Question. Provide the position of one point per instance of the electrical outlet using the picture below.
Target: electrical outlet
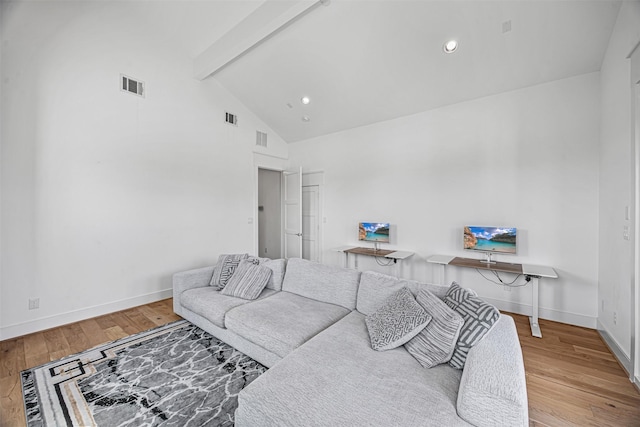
(506, 288)
(34, 303)
(615, 318)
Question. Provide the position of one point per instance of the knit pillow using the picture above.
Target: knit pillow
(399, 319)
(248, 281)
(224, 269)
(436, 342)
(479, 317)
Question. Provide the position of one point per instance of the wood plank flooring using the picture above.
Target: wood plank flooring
(572, 377)
(32, 350)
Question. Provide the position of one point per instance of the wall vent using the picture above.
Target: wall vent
(127, 84)
(261, 138)
(232, 119)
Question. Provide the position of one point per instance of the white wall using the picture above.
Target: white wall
(527, 158)
(615, 278)
(105, 195)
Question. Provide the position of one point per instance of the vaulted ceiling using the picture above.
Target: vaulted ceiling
(365, 61)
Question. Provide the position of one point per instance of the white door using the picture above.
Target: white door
(292, 214)
(310, 222)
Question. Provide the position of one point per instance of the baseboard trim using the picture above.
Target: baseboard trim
(545, 313)
(617, 351)
(54, 321)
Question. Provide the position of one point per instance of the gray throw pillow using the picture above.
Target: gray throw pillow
(435, 343)
(479, 317)
(248, 281)
(277, 267)
(399, 319)
(224, 269)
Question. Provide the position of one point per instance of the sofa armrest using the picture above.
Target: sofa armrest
(188, 280)
(493, 388)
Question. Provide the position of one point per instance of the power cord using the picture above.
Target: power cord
(501, 282)
(384, 264)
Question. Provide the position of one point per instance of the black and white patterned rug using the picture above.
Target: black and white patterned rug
(173, 375)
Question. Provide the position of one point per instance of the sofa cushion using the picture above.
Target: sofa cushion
(209, 303)
(399, 319)
(337, 379)
(435, 343)
(283, 321)
(248, 281)
(375, 288)
(326, 283)
(479, 317)
(224, 269)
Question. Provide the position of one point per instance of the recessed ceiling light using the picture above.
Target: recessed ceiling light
(306, 119)
(450, 46)
(305, 100)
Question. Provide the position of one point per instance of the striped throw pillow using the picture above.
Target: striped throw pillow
(224, 269)
(479, 317)
(436, 342)
(248, 281)
(399, 319)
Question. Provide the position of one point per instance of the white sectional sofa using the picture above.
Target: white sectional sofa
(308, 327)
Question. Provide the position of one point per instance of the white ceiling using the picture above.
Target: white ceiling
(363, 62)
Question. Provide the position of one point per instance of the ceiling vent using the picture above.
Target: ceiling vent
(232, 119)
(130, 85)
(261, 138)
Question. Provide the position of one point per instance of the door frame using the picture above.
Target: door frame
(634, 56)
(267, 162)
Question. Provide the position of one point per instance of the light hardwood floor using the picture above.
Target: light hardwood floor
(572, 377)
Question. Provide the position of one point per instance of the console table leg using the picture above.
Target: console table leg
(533, 320)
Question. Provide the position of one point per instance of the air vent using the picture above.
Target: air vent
(127, 84)
(261, 138)
(232, 119)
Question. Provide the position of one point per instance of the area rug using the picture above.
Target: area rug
(174, 375)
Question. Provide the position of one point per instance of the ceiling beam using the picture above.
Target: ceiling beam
(262, 23)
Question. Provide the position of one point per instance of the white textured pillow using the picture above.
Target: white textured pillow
(248, 281)
(398, 320)
(437, 341)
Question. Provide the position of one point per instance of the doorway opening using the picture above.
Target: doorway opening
(269, 214)
(276, 206)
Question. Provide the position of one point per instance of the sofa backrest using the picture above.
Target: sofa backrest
(375, 288)
(326, 283)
